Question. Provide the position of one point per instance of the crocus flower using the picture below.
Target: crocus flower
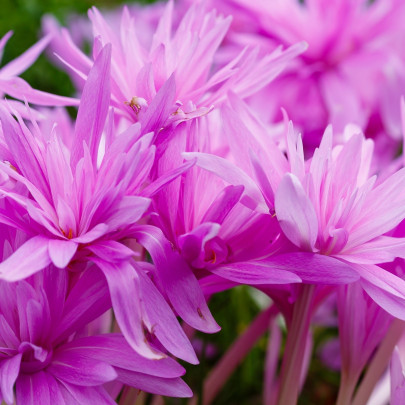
(47, 359)
(328, 83)
(139, 72)
(77, 210)
(327, 207)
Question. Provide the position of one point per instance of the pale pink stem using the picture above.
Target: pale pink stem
(235, 354)
(379, 362)
(347, 386)
(293, 359)
(270, 371)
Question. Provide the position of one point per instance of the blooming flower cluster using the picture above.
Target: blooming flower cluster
(215, 144)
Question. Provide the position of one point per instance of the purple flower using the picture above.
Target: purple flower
(44, 356)
(80, 204)
(328, 83)
(185, 54)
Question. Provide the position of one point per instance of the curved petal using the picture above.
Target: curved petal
(296, 213)
(385, 288)
(61, 251)
(126, 304)
(315, 268)
(9, 370)
(255, 272)
(29, 258)
(180, 284)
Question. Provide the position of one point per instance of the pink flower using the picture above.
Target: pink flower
(45, 358)
(328, 83)
(80, 205)
(185, 55)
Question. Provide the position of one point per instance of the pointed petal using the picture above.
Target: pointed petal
(31, 387)
(61, 252)
(223, 204)
(79, 395)
(25, 60)
(29, 258)
(79, 370)
(296, 213)
(165, 325)
(379, 250)
(314, 268)
(93, 108)
(160, 107)
(385, 288)
(94, 233)
(130, 210)
(111, 251)
(255, 272)
(125, 300)
(172, 387)
(181, 285)
(9, 370)
(113, 349)
(252, 196)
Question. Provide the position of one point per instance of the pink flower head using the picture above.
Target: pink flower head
(331, 206)
(329, 83)
(186, 55)
(82, 204)
(49, 361)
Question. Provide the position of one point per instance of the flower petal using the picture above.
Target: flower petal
(29, 258)
(296, 213)
(61, 251)
(181, 285)
(315, 268)
(255, 272)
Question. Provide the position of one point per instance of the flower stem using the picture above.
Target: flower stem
(347, 386)
(291, 367)
(379, 362)
(236, 353)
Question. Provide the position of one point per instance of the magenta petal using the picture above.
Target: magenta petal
(29, 258)
(255, 272)
(160, 108)
(74, 368)
(296, 213)
(110, 250)
(86, 301)
(166, 178)
(74, 395)
(165, 325)
(25, 60)
(172, 387)
(9, 370)
(61, 251)
(252, 196)
(180, 283)
(130, 210)
(54, 391)
(93, 108)
(126, 304)
(223, 204)
(385, 288)
(314, 268)
(33, 388)
(94, 233)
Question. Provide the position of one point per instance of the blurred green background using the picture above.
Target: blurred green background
(233, 310)
(23, 17)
